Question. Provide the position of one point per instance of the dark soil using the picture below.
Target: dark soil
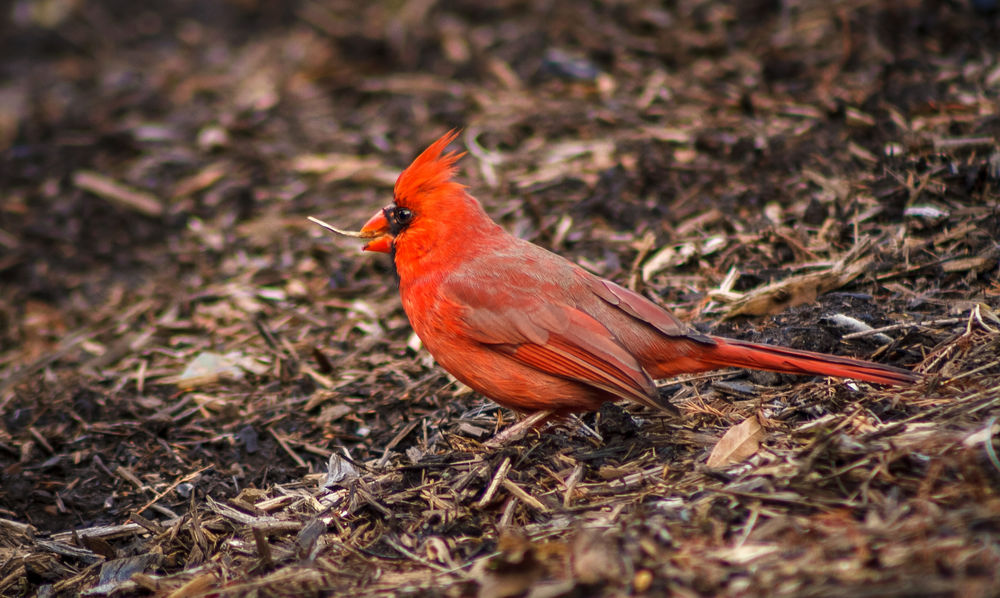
(156, 170)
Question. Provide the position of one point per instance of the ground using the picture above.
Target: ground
(203, 393)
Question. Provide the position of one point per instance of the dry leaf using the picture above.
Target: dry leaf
(777, 297)
(738, 443)
(209, 367)
(339, 472)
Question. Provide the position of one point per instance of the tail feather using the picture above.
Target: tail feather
(732, 352)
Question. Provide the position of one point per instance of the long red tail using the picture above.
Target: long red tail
(732, 352)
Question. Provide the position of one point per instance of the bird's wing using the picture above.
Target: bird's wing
(551, 337)
(641, 308)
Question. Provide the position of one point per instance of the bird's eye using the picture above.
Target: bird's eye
(398, 218)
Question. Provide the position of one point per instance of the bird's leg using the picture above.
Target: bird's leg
(519, 430)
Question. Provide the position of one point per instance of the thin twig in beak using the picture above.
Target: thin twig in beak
(346, 233)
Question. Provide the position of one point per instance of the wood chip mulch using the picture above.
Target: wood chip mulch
(203, 394)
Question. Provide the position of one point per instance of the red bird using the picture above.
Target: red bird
(532, 330)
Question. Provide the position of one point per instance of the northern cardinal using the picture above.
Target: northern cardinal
(532, 330)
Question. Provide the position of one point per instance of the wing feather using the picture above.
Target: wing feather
(554, 338)
(641, 308)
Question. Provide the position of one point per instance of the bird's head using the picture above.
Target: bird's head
(425, 200)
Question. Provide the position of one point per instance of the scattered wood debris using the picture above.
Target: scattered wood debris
(204, 394)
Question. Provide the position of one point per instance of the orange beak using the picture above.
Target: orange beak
(377, 229)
